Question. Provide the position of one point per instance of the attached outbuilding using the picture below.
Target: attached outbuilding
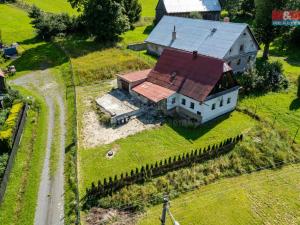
(208, 9)
(193, 86)
(231, 42)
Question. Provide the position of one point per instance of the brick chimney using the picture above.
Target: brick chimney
(195, 54)
(226, 19)
(174, 34)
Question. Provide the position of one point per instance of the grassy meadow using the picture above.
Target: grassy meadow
(54, 6)
(14, 24)
(267, 197)
(154, 145)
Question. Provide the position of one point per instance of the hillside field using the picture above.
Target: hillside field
(267, 197)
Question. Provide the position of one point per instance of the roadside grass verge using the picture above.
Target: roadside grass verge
(154, 145)
(20, 198)
(55, 146)
(241, 200)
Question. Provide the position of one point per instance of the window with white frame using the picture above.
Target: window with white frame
(228, 100)
(213, 107)
(173, 100)
(192, 105)
(183, 101)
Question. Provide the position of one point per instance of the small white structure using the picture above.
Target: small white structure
(197, 87)
(232, 42)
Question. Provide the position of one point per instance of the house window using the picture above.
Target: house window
(249, 59)
(221, 103)
(183, 101)
(228, 100)
(192, 106)
(198, 113)
(213, 107)
(241, 48)
(239, 62)
(173, 100)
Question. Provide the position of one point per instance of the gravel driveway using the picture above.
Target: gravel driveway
(50, 205)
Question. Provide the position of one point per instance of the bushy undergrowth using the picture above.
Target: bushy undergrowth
(3, 163)
(266, 76)
(263, 147)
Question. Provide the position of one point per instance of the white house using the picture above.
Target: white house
(232, 42)
(208, 9)
(194, 86)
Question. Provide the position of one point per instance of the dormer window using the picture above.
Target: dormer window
(241, 48)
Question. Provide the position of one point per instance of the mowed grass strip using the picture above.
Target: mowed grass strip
(14, 24)
(54, 6)
(153, 145)
(267, 197)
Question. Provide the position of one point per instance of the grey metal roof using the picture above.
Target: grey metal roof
(212, 38)
(178, 6)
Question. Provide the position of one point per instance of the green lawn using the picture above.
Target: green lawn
(14, 24)
(282, 108)
(153, 145)
(267, 197)
(148, 7)
(54, 6)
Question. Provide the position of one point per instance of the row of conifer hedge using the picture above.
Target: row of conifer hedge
(148, 172)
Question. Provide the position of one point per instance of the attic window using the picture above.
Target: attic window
(245, 34)
(241, 48)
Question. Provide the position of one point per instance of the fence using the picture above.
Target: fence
(16, 141)
(147, 172)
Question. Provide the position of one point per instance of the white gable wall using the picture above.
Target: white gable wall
(249, 52)
(205, 109)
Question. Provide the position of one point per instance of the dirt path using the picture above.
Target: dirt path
(50, 205)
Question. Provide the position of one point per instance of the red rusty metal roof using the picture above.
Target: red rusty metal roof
(153, 92)
(135, 76)
(186, 74)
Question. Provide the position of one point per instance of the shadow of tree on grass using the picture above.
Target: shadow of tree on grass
(295, 105)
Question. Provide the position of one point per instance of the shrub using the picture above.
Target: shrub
(266, 76)
(49, 25)
(10, 126)
(224, 13)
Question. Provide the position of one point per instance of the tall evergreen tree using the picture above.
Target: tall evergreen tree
(264, 30)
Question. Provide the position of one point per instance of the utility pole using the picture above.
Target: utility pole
(164, 211)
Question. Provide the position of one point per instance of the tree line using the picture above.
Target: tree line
(147, 172)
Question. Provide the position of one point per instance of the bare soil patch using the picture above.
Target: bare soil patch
(91, 132)
(99, 216)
